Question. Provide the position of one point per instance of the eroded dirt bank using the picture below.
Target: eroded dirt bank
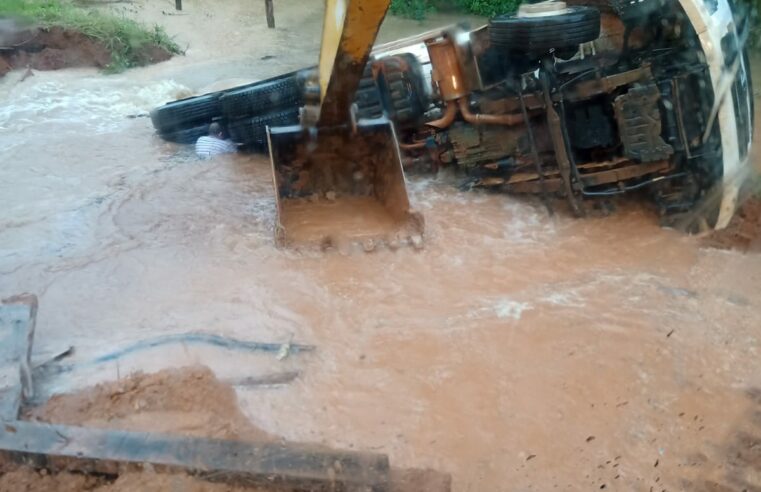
(187, 401)
(55, 48)
(515, 348)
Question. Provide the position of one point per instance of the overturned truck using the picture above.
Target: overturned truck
(572, 100)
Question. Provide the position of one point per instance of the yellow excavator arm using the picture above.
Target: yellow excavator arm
(348, 34)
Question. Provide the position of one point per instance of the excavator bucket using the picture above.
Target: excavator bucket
(340, 182)
(341, 187)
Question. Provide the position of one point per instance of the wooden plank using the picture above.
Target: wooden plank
(88, 450)
(18, 316)
(270, 9)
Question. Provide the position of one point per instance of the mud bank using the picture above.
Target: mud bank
(55, 48)
(744, 231)
(186, 401)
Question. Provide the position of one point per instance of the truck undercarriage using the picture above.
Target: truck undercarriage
(631, 109)
(574, 101)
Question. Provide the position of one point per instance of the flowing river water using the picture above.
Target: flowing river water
(516, 351)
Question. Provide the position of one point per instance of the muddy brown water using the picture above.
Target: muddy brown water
(516, 351)
(344, 218)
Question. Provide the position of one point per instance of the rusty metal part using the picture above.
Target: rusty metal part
(445, 68)
(555, 125)
(447, 118)
(619, 174)
(538, 164)
(473, 147)
(412, 146)
(487, 119)
(589, 88)
(463, 48)
(529, 182)
(639, 124)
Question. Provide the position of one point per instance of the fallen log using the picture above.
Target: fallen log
(110, 452)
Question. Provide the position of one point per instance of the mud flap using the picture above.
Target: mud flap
(341, 186)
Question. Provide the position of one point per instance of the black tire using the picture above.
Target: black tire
(280, 93)
(252, 132)
(186, 135)
(540, 34)
(368, 98)
(186, 113)
(403, 93)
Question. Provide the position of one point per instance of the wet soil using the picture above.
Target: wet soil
(56, 48)
(185, 401)
(188, 401)
(515, 348)
(744, 230)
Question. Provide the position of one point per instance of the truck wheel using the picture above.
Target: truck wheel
(186, 135)
(367, 98)
(262, 97)
(252, 132)
(536, 34)
(403, 89)
(186, 113)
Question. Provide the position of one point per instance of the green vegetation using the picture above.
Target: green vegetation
(417, 9)
(489, 8)
(414, 9)
(753, 9)
(121, 36)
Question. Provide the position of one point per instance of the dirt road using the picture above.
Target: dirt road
(516, 351)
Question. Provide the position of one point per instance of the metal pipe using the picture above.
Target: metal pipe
(447, 118)
(412, 146)
(446, 70)
(487, 119)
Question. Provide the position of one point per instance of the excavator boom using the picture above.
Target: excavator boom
(339, 181)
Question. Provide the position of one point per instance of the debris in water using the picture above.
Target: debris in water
(284, 351)
(511, 309)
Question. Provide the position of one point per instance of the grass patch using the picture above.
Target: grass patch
(412, 9)
(417, 9)
(121, 36)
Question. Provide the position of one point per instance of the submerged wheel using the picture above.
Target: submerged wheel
(186, 113)
(542, 32)
(187, 135)
(280, 93)
(368, 98)
(252, 132)
(403, 89)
